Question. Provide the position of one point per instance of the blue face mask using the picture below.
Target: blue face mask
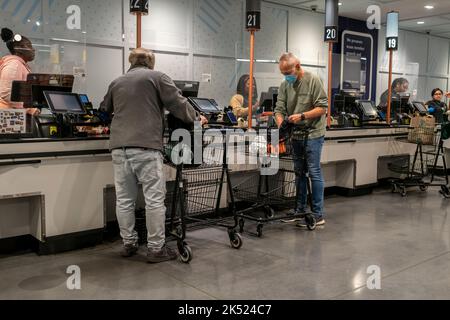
(291, 79)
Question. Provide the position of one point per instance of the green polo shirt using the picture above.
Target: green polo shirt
(303, 96)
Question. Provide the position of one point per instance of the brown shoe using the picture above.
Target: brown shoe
(129, 250)
(165, 254)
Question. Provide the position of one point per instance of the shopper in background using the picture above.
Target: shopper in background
(239, 102)
(436, 107)
(138, 100)
(302, 99)
(15, 67)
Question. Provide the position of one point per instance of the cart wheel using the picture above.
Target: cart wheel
(269, 212)
(423, 188)
(445, 192)
(310, 222)
(403, 192)
(235, 240)
(259, 230)
(186, 254)
(241, 225)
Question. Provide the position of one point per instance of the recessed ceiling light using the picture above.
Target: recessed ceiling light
(429, 7)
(339, 3)
(420, 22)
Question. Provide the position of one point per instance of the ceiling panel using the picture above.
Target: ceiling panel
(437, 20)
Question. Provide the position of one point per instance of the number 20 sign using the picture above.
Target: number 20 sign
(331, 34)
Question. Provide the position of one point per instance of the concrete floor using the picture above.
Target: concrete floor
(408, 238)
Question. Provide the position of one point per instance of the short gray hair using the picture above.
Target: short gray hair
(289, 57)
(142, 57)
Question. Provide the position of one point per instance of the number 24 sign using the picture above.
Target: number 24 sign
(139, 6)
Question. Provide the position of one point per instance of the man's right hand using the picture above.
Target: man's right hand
(279, 119)
(203, 120)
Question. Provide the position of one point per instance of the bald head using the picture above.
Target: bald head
(290, 65)
(141, 57)
(289, 58)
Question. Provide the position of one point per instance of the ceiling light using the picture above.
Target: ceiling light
(38, 23)
(429, 7)
(340, 4)
(420, 22)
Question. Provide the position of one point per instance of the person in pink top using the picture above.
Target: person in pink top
(14, 67)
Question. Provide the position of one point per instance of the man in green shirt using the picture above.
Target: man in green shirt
(302, 100)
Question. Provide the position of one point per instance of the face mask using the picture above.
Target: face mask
(291, 79)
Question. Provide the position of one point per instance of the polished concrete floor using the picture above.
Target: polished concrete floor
(407, 238)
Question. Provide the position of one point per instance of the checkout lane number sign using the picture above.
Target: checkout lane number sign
(139, 6)
(331, 34)
(392, 43)
(253, 20)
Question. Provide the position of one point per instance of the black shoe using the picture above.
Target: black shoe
(165, 254)
(319, 222)
(129, 250)
(294, 212)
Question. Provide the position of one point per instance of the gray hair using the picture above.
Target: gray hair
(290, 58)
(142, 57)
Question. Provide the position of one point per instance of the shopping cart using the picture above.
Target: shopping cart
(423, 168)
(197, 194)
(278, 192)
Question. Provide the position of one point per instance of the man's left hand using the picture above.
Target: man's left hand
(295, 119)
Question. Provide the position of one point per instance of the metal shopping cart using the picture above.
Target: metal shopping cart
(272, 193)
(198, 192)
(428, 166)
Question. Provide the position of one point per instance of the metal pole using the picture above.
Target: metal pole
(330, 81)
(139, 29)
(250, 93)
(388, 116)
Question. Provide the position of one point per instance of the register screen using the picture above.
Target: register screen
(65, 103)
(205, 105)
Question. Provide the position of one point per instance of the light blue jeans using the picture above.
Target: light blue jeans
(131, 167)
(313, 154)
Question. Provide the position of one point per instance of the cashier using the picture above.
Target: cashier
(436, 107)
(399, 86)
(239, 102)
(14, 67)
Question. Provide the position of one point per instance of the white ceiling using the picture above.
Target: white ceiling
(436, 21)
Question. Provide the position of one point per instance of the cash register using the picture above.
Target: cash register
(366, 111)
(67, 108)
(345, 108)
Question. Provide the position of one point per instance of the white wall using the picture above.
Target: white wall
(195, 39)
(422, 59)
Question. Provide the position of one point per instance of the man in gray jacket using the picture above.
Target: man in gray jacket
(138, 100)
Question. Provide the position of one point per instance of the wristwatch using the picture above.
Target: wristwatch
(302, 117)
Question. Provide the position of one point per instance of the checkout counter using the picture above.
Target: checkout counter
(58, 190)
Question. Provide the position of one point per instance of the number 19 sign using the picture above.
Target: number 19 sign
(392, 43)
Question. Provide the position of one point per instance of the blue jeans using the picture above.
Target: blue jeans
(313, 155)
(131, 167)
